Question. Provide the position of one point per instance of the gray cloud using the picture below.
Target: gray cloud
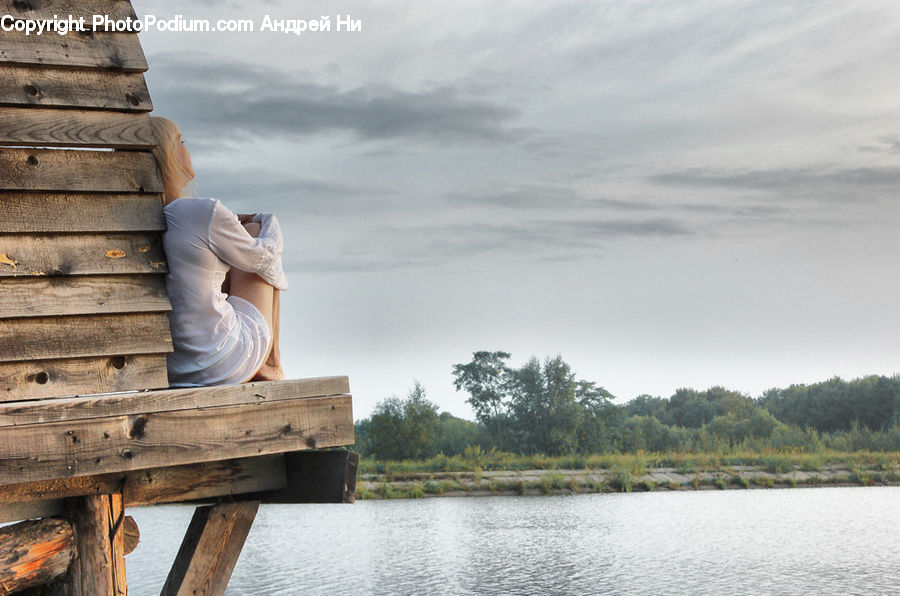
(885, 144)
(400, 247)
(250, 189)
(224, 99)
(536, 196)
(779, 180)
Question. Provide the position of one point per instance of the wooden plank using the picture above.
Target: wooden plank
(318, 477)
(80, 254)
(38, 379)
(175, 484)
(99, 567)
(85, 212)
(50, 127)
(87, 335)
(210, 549)
(56, 87)
(102, 406)
(74, 170)
(122, 443)
(12, 512)
(47, 9)
(117, 51)
(33, 553)
(100, 294)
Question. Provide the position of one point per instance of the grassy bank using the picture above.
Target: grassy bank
(495, 473)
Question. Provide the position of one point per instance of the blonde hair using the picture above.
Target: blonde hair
(175, 176)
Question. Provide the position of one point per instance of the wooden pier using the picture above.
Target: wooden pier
(88, 425)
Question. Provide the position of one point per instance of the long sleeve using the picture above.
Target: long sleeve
(231, 242)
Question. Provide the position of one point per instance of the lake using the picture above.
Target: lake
(834, 540)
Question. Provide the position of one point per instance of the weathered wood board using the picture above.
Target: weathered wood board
(33, 212)
(46, 9)
(88, 335)
(118, 51)
(37, 379)
(125, 404)
(80, 254)
(100, 294)
(57, 87)
(41, 127)
(73, 170)
(210, 549)
(155, 439)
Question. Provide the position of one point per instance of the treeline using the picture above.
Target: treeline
(542, 408)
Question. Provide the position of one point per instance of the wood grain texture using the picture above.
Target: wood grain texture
(61, 170)
(56, 87)
(100, 294)
(80, 254)
(45, 9)
(132, 535)
(88, 335)
(170, 400)
(123, 443)
(116, 51)
(175, 484)
(210, 549)
(50, 127)
(37, 379)
(99, 567)
(85, 212)
(34, 552)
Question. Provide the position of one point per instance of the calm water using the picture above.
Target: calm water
(801, 541)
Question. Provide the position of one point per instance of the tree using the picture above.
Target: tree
(487, 380)
(404, 428)
(601, 419)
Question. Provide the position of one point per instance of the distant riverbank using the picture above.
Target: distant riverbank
(624, 473)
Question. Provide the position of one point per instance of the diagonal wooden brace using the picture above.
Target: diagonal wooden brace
(210, 549)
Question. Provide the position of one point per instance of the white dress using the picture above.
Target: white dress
(217, 339)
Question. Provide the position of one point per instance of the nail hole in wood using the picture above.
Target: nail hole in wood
(41, 378)
(33, 91)
(32, 160)
(132, 99)
(117, 362)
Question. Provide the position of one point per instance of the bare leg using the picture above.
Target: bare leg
(263, 296)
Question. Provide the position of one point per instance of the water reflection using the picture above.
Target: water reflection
(827, 541)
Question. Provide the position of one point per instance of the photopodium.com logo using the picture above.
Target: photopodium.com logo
(178, 24)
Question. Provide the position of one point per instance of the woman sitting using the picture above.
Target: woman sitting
(225, 274)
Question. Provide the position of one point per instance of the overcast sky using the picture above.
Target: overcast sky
(667, 194)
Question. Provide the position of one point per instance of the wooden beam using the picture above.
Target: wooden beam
(25, 297)
(115, 51)
(317, 477)
(97, 89)
(80, 336)
(29, 255)
(31, 212)
(99, 568)
(176, 484)
(48, 9)
(33, 553)
(210, 549)
(74, 170)
(50, 127)
(37, 379)
(130, 404)
(157, 439)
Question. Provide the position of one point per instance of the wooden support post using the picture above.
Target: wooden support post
(33, 553)
(99, 567)
(210, 549)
